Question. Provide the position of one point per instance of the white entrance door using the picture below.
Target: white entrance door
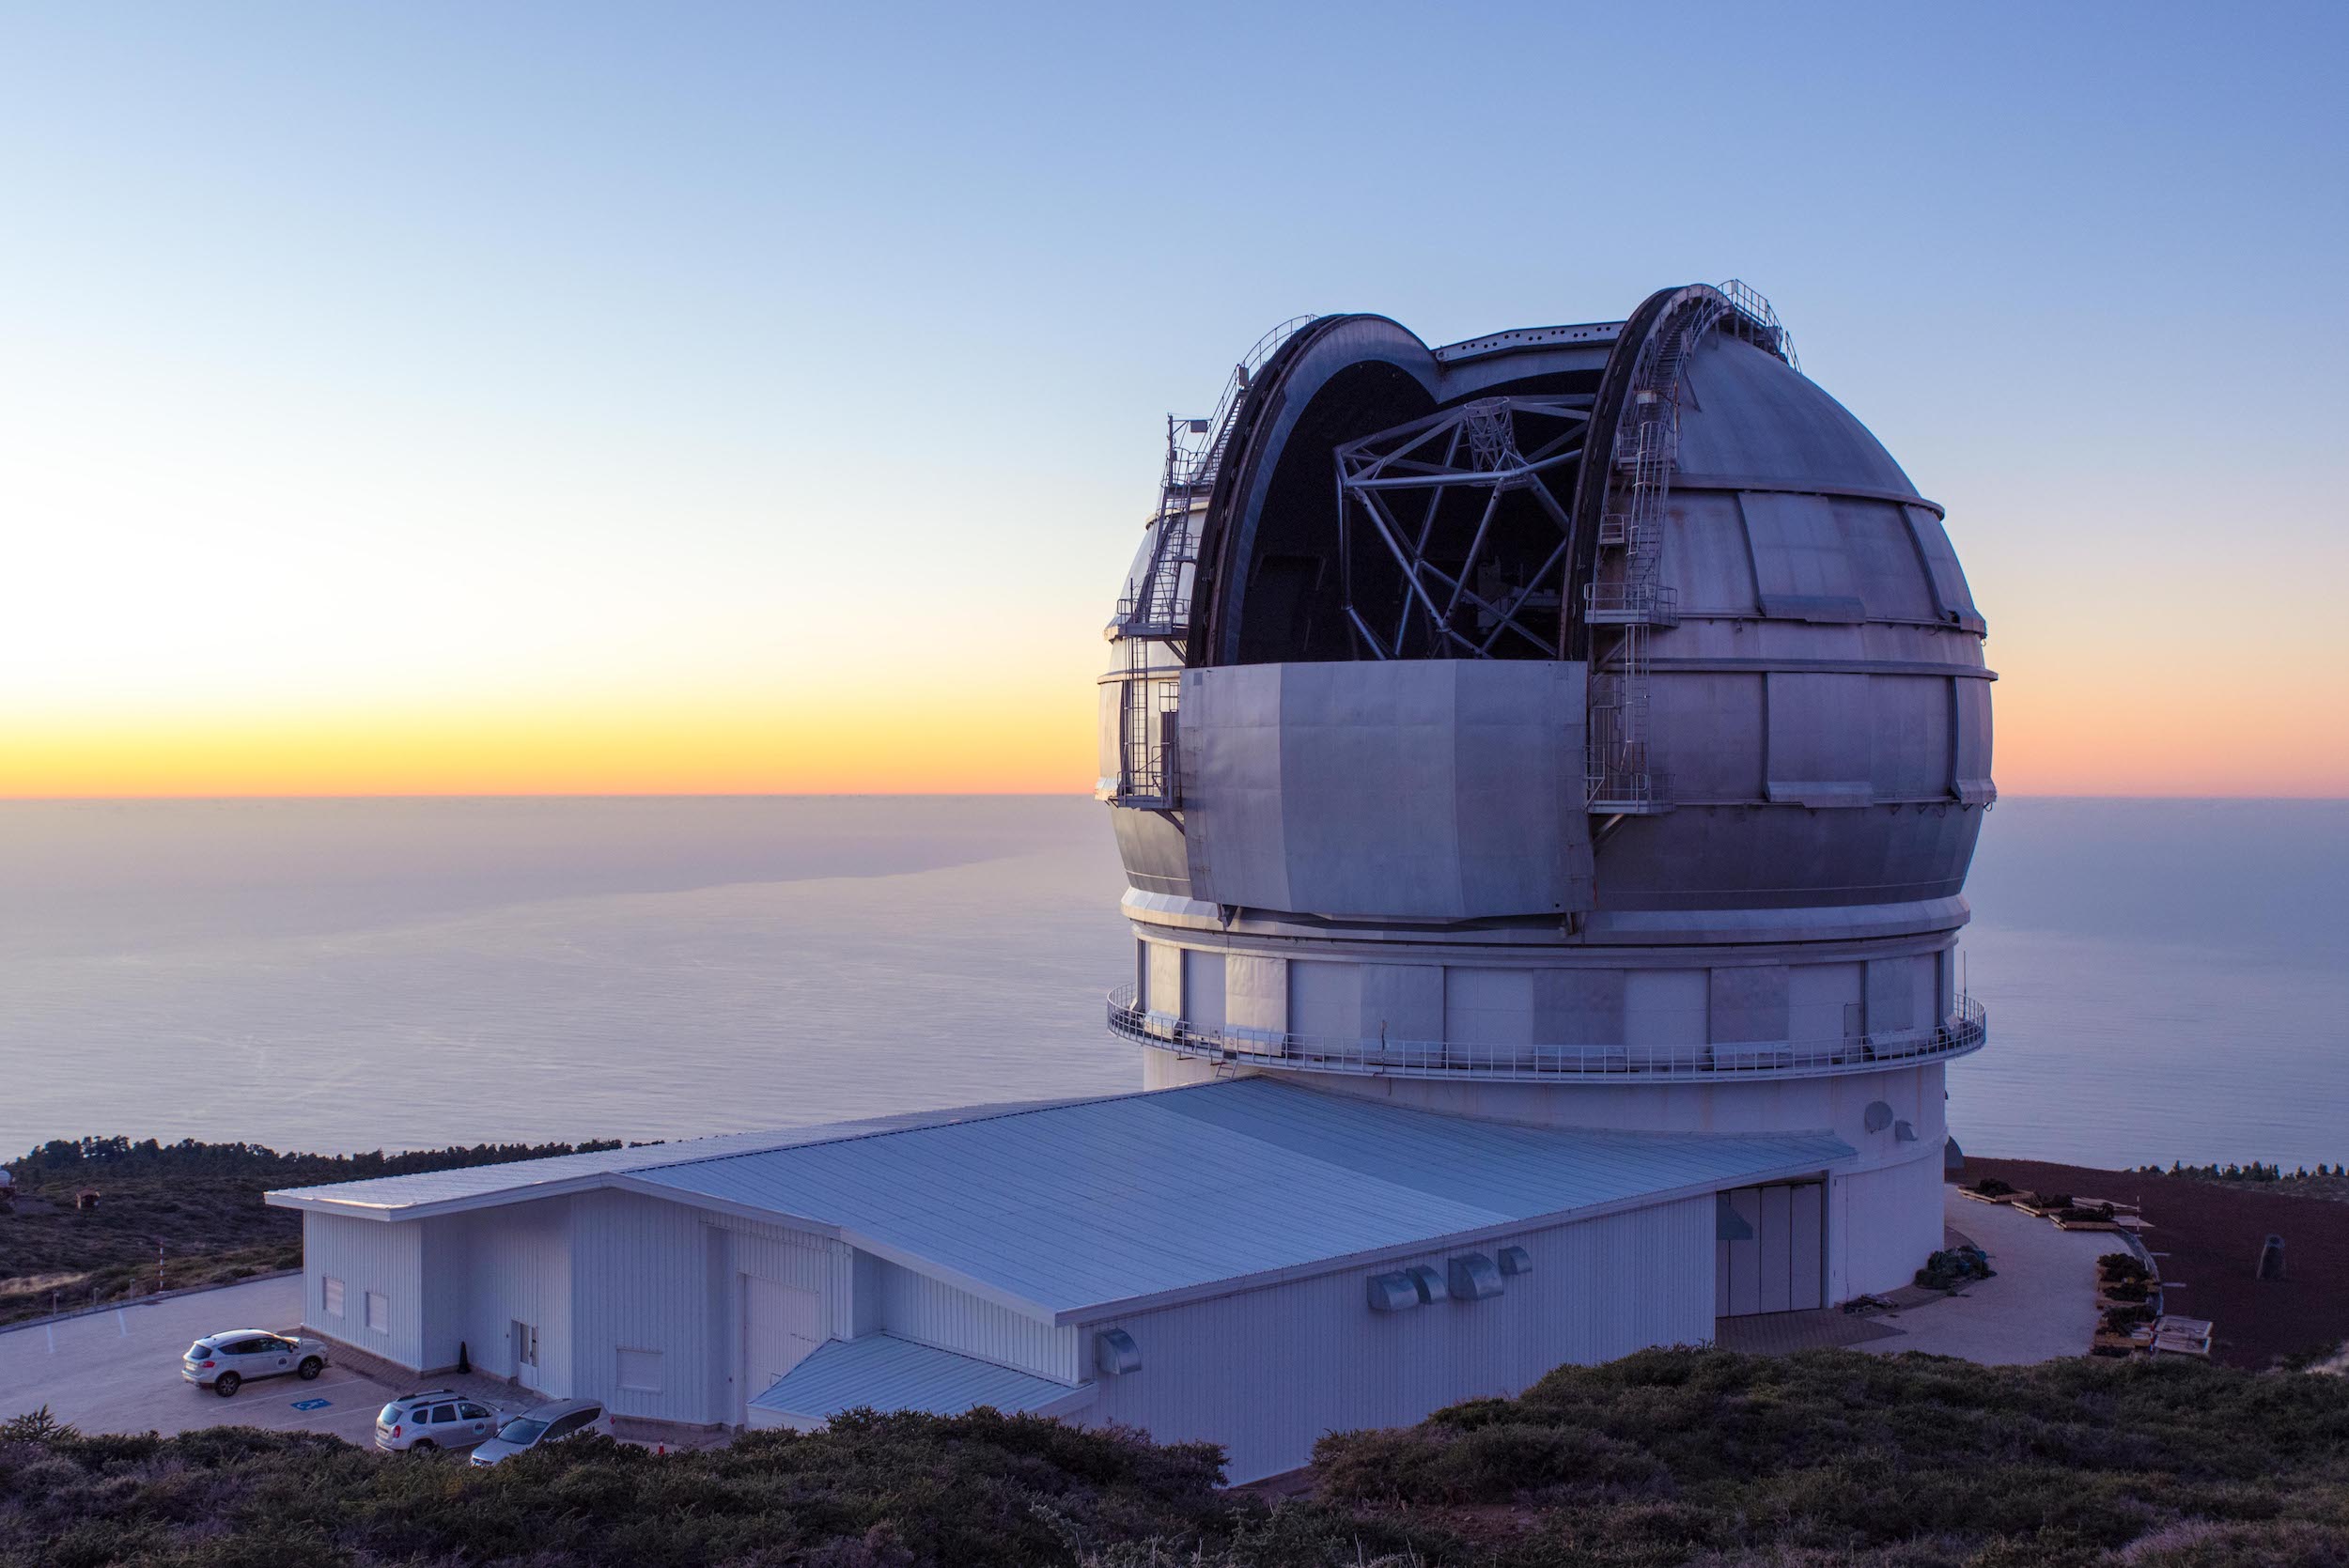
(782, 1326)
(1767, 1255)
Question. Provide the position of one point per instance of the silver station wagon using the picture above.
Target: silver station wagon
(547, 1424)
(435, 1419)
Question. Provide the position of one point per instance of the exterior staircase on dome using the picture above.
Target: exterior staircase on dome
(1154, 618)
(1158, 609)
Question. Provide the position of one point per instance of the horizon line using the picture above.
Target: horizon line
(926, 795)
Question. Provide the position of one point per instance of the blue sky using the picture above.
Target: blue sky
(396, 360)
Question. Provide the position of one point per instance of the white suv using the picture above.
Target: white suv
(226, 1362)
(436, 1419)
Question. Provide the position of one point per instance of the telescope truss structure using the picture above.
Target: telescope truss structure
(1460, 503)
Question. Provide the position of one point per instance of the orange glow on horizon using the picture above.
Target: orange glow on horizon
(2078, 737)
(680, 750)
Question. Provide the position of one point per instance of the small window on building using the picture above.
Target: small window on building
(333, 1290)
(379, 1312)
(640, 1371)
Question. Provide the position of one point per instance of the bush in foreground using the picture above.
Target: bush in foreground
(1667, 1457)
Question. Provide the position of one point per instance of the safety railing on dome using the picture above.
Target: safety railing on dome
(1962, 1032)
(1159, 606)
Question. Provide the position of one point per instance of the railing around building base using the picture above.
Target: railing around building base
(1964, 1030)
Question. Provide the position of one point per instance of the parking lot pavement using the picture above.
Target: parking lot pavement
(120, 1371)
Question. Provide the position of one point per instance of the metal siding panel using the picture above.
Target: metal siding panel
(517, 1267)
(1257, 992)
(1707, 728)
(1667, 1008)
(1424, 787)
(1203, 987)
(1913, 730)
(367, 1256)
(638, 1264)
(1401, 1002)
(1799, 551)
(1972, 781)
(1890, 1221)
(1746, 1003)
(1326, 1000)
(1823, 1001)
(1704, 538)
(1266, 1371)
(1821, 747)
(1163, 993)
(1952, 596)
(1488, 1006)
(929, 1312)
(1891, 576)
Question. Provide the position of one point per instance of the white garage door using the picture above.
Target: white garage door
(782, 1326)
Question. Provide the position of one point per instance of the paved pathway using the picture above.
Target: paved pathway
(2040, 1306)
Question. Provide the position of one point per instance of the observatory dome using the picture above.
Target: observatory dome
(1582, 724)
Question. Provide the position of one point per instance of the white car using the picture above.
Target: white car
(435, 1419)
(536, 1428)
(226, 1362)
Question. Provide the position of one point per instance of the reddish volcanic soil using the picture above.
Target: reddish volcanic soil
(2211, 1236)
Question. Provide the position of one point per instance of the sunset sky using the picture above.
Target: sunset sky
(580, 398)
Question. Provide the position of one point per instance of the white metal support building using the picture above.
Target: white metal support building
(1246, 1262)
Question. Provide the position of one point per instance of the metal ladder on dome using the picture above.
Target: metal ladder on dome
(1626, 590)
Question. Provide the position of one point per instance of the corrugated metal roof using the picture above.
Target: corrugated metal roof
(884, 1372)
(1101, 1202)
(1066, 1208)
(518, 1180)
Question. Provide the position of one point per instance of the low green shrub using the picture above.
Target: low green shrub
(1669, 1457)
(1954, 1266)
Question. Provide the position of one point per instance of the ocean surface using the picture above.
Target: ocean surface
(2166, 980)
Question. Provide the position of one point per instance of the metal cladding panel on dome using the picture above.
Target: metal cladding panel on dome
(1750, 414)
(1412, 789)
